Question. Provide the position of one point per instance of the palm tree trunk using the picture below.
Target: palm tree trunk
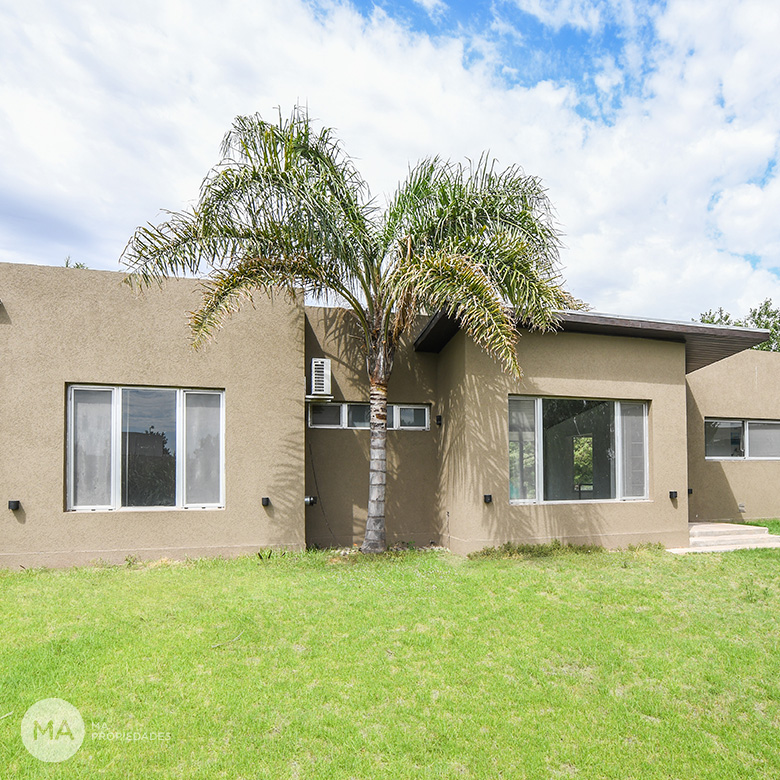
(375, 540)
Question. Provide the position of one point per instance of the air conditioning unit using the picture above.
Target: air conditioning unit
(320, 376)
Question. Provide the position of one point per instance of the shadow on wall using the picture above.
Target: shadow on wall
(333, 457)
(475, 462)
(713, 494)
(337, 460)
(286, 506)
(337, 472)
(337, 337)
(569, 349)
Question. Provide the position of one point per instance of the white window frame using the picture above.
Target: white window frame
(393, 417)
(116, 449)
(745, 423)
(539, 453)
(345, 415)
(397, 417)
(342, 416)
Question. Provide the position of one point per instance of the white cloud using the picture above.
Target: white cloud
(588, 15)
(110, 113)
(609, 76)
(434, 8)
(747, 220)
(580, 14)
(638, 203)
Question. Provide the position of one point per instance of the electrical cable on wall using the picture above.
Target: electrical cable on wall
(319, 495)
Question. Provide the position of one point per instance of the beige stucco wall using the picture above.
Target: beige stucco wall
(473, 395)
(62, 325)
(337, 460)
(437, 479)
(745, 386)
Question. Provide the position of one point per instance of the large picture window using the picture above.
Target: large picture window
(567, 449)
(131, 447)
(742, 439)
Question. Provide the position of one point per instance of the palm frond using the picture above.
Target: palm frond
(286, 207)
(226, 289)
(453, 282)
(280, 192)
(497, 224)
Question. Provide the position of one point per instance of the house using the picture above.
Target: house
(121, 440)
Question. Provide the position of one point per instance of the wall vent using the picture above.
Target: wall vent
(320, 376)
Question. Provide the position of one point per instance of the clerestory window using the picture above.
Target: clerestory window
(412, 417)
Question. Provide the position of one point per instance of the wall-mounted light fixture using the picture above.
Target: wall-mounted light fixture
(14, 506)
(672, 494)
(488, 498)
(438, 419)
(690, 491)
(310, 500)
(266, 501)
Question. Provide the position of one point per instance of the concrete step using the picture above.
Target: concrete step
(722, 548)
(705, 530)
(744, 541)
(706, 539)
(725, 537)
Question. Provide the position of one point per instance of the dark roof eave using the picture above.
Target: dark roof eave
(704, 344)
(436, 334)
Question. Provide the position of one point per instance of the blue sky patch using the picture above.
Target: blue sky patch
(596, 62)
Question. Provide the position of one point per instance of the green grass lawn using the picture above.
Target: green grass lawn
(420, 665)
(773, 524)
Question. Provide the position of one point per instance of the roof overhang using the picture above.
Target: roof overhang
(704, 344)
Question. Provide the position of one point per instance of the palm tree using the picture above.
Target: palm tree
(287, 209)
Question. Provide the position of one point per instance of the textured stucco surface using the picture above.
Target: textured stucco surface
(337, 460)
(437, 480)
(474, 458)
(745, 386)
(60, 326)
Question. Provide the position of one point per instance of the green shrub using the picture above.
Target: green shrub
(549, 550)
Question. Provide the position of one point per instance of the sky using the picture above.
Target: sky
(653, 125)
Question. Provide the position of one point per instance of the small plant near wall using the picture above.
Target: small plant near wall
(71, 264)
(549, 550)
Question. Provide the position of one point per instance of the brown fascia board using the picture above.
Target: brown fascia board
(704, 343)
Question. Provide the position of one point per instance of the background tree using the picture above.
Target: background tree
(286, 209)
(764, 316)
